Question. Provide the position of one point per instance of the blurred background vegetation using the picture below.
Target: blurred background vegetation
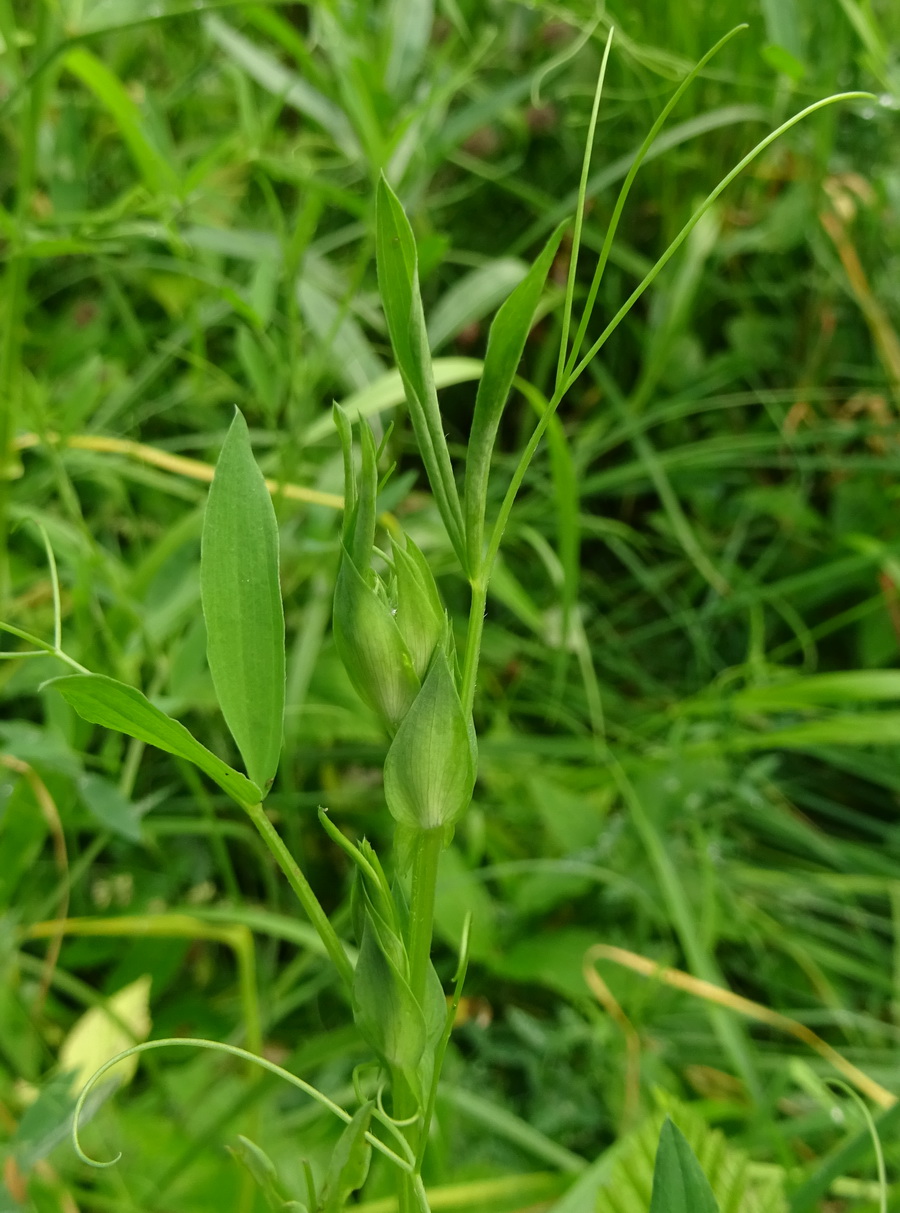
(187, 223)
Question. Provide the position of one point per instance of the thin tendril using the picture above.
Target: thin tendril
(234, 1051)
(54, 582)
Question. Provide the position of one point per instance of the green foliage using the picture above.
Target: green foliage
(104, 701)
(680, 671)
(679, 1184)
(506, 341)
(674, 1163)
(241, 595)
(398, 283)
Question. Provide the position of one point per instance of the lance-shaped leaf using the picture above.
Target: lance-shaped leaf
(429, 772)
(104, 701)
(350, 1161)
(506, 341)
(241, 597)
(398, 283)
(679, 1185)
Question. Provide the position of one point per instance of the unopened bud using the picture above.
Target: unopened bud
(420, 615)
(371, 647)
(429, 772)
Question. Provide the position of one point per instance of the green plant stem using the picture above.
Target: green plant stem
(426, 858)
(303, 890)
(473, 642)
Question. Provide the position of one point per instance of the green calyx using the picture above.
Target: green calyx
(386, 628)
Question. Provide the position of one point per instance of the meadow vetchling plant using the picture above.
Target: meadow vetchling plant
(397, 644)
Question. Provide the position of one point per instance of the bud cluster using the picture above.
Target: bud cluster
(394, 639)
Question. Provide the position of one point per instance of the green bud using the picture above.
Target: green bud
(385, 1011)
(429, 772)
(371, 646)
(420, 615)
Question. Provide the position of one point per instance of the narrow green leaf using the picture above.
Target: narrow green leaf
(506, 342)
(348, 1168)
(398, 283)
(817, 690)
(387, 391)
(477, 294)
(156, 171)
(241, 596)
(286, 85)
(679, 1185)
(114, 705)
(860, 728)
(409, 25)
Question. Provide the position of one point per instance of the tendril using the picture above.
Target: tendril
(217, 1046)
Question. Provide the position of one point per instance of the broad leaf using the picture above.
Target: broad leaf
(679, 1185)
(115, 705)
(241, 597)
(506, 341)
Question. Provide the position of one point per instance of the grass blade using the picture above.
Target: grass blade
(158, 174)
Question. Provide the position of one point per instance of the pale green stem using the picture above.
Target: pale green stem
(473, 642)
(426, 857)
(303, 890)
(428, 847)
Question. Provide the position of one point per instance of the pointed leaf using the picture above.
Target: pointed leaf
(679, 1185)
(260, 1166)
(350, 1161)
(399, 286)
(115, 705)
(241, 597)
(506, 341)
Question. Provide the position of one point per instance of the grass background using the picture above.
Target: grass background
(188, 223)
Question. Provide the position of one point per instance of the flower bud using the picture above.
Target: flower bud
(384, 1008)
(371, 647)
(420, 615)
(385, 640)
(429, 772)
